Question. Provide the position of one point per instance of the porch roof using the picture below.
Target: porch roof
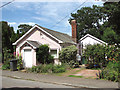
(34, 43)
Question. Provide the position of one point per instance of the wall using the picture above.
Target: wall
(89, 40)
(41, 37)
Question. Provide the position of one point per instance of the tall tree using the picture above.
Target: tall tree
(23, 28)
(112, 10)
(8, 35)
(101, 22)
(88, 20)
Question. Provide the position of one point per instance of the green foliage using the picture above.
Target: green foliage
(43, 55)
(6, 65)
(88, 19)
(68, 54)
(48, 68)
(8, 37)
(110, 72)
(7, 54)
(59, 68)
(95, 54)
(23, 28)
(75, 76)
(112, 10)
(109, 35)
(19, 62)
(101, 55)
(89, 22)
(113, 53)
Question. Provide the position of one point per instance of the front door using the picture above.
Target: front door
(27, 58)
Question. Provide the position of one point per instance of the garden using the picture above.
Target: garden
(103, 58)
(106, 58)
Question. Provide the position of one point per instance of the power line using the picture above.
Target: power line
(68, 15)
(7, 3)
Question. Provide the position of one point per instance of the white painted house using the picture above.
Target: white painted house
(85, 40)
(89, 39)
(36, 36)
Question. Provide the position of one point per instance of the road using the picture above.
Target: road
(8, 82)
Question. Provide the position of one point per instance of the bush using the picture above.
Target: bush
(59, 69)
(6, 65)
(48, 68)
(95, 54)
(110, 72)
(6, 55)
(43, 56)
(101, 55)
(19, 63)
(68, 54)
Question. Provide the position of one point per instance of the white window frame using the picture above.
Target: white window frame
(56, 52)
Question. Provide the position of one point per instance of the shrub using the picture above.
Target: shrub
(48, 68)
(110, 72)
(59, 69)
(68, 54)
(101, 55)
(6, 65)
(95, 54)
(19, 62)
(43, 56)
(6, 55)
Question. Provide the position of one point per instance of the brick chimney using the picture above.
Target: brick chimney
(74, 30)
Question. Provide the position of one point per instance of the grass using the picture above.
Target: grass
(96, 68)
(75, 76)
(68, 72)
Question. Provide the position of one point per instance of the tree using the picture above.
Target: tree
(112, 10)
(88, 20)
(109, 36)
(95, 54)
(23, 28)
(101, 22)
(68, 54)
(43, 55)
(8, 37)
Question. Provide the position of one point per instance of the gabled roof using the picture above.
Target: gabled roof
(60, 37)
(34, 43)
(88, 35)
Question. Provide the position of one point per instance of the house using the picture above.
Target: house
(85, 40)
(36, 36)
(89, 40)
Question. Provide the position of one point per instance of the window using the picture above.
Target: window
(54, 53)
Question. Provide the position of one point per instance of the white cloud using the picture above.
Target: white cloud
(52, 0)
(47, 13)
(41, 19)
(12, 23)
(29, 23)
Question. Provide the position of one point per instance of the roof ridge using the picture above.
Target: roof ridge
(52, 30)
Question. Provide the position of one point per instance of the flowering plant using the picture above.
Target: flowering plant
(19, 63)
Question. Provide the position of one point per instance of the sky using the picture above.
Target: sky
(44, 13)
